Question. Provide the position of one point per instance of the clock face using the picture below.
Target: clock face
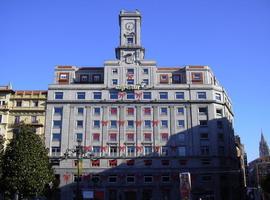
(129, 26)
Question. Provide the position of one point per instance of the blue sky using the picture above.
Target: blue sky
(232, 37)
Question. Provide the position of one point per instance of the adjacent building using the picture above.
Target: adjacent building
(140, 126)
(21, 106)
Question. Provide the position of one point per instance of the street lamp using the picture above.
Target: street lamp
(80, 154)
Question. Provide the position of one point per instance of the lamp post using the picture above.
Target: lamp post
(80, 154)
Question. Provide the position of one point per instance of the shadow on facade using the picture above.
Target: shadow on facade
(206, 151)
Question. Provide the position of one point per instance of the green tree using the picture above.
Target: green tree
(1, 154)
(265, 184)
(26, 167)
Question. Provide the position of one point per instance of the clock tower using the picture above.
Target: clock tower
(130, 50)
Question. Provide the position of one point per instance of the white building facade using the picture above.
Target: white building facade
(145, 124)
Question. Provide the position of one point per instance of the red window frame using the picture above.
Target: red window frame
(113, 111)
(96, 137)
(130, 111)
(147, 111)
(164, 78)
(147, 137)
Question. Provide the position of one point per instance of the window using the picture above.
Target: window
(206, 161)
(130, 179)
(204, 136)
(0, 118)
(163, 95)
(58, 95)
(113, 95)
(95, 163)
(147, 150)
(63, 76)
(19, 103)
(147, 111)
(204, 150)
(113, 124)
(96, 124)
(114, 81)
(176, 78)
(221, 137)
(80, 95)
(181, 123)
(130, 111)
(221, 150)
(130, 71)
(97, 95)
(180, 95)
(165, 162)
(130, 40)
(181, 137)
(203, 122)
(218, 96)
(164, 150)
(96, 150)
(164, 123)
(147, 162)
(130, 123)
(164, 137)
(145, 71)
(181, 151)
(148, 179)
(56, 137)
(146, 81)
(130, 162)
(113, 150)
(180, 111)
(114, 71)
(219, 112)
(113, 163)
(147, 95)
(113, 137)
(34, 119)
(84, 78)
(163, 111)
(79, 123)
(79, 137)
(197, 77)
(55, 151)
(112, 179)
(80, 111)
(35, 103)
(113, 111)
(130, 81)
(165, 179)
(201, 95)
(130, 95)
(96, 78)
(58, 110)
(130, 137)
(147, 137)
(164, 78)
(203, 111)
(56, 123)
(147, 123)
(96, 137)
(130, 151)
(219, 124)
(96, 111)
(17, 120)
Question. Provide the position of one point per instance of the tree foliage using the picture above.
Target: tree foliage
(265, 184)
(26, 168)
(1, 153)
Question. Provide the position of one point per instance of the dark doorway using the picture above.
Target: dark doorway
(130, 195)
